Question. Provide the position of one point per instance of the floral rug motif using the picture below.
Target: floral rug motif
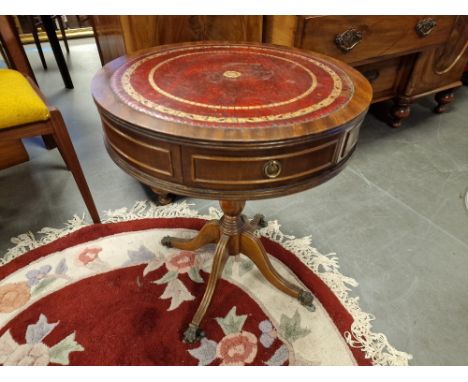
(111, 294)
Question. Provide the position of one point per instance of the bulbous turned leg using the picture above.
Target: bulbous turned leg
(164, 197)
(443, 98)
(400, 111)
(253, 249)
(209, 233)
(193, 333)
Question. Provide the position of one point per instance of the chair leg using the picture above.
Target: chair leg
(62, 30)
(49, 142)
(66, 149)
(37, 42)
(64, 157)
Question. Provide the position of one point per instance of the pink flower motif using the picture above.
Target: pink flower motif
(181, 262)
(88, 255)
(29, 355)
(237, 349)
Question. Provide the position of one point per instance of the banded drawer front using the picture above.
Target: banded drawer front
(244, 171)
(151, 157)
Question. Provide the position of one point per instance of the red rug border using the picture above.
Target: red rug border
(338, 313)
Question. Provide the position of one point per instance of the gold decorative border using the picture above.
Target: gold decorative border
(130, 91)
(275, 104)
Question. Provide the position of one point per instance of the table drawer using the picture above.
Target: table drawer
(147, 155)
(242, 170)
(359, 38)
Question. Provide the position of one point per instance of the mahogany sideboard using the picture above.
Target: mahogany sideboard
(404, 57)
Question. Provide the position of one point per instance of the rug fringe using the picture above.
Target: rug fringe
(374, 345)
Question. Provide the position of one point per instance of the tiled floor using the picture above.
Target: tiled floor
(396, 216)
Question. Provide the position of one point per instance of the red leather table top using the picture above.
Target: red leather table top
(232, 85)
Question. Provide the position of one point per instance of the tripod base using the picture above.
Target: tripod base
(233, 234)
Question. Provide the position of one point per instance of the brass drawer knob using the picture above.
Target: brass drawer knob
(347, 40)
(272, 169)
(425, 26)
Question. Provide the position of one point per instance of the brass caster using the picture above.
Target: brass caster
(193, 334)
(262, 223)
(306, 299)
(258, 221)
(167, 241)
(166, 199)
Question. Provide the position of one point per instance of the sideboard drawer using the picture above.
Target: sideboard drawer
(358, 38)
(231, 170)
(383, 77)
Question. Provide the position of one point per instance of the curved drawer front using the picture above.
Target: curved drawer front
(260, 169)
(157, 159)
(231, 171)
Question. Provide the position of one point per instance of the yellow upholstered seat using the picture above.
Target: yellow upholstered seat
(19, 103)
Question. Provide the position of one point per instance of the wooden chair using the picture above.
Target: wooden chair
(25, 113)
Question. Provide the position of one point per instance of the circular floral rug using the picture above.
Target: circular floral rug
(111, 294)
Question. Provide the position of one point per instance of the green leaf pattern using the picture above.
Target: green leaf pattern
(42, 286)
(290, 327)
(60, 353)
(232, 323)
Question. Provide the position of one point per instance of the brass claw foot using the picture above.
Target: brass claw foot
(258, 221)
(306, 299)
(164, 197)
(167, 241)
(193, 334)
(262, 223)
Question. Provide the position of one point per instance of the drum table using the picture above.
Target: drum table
(231, 122)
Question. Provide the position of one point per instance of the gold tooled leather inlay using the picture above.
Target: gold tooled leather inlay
(336, 91)
(153, 84)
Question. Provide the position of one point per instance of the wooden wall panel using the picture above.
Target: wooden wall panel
(142, 32)
(117, 35)
(109, 38)
(280, 30)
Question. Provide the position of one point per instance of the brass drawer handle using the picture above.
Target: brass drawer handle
(272, 169)
(425, 26)
(347, 40)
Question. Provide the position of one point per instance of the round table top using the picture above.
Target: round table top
(228, 91)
